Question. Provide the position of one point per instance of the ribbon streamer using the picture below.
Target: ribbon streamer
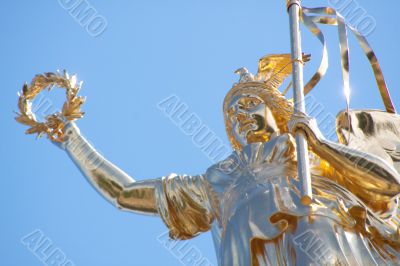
(329, 16)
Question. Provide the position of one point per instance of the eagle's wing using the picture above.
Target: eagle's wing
(372, 131)
(278, 67)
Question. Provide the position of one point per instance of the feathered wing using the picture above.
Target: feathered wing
(277, 67)
(372, 131)
(375, 132)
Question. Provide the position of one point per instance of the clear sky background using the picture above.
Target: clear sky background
(149, 51)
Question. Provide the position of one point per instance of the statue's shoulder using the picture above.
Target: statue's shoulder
(226, 166)
(221, 174)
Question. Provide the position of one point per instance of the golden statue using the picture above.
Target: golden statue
(254, 202)
(251, 200)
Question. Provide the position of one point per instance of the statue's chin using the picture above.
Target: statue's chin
(256, 136)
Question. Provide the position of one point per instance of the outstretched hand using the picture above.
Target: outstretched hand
(71, 131)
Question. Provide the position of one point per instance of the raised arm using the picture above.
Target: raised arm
(183, 202)
(111, 182)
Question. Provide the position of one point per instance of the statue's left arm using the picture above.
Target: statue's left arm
(366, 175)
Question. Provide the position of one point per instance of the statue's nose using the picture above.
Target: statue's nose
(241, 116)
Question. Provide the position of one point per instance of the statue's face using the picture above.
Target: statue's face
(252, 120)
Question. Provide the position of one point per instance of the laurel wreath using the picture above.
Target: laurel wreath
(54, 124)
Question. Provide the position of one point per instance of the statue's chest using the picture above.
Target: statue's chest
(258, 191)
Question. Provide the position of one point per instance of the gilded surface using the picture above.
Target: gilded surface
(251, 200)
(54, 124)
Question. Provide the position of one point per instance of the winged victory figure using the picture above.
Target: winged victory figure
(251, 202)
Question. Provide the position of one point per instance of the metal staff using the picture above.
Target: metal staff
(303, 164)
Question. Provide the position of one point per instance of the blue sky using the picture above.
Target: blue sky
(149, 51)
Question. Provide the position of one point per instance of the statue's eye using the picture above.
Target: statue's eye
(251, 103)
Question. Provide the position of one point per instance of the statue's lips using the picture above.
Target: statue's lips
(247, 125)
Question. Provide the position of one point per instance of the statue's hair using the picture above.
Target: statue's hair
(281, 108)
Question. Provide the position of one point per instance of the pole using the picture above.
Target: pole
(303, 163)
